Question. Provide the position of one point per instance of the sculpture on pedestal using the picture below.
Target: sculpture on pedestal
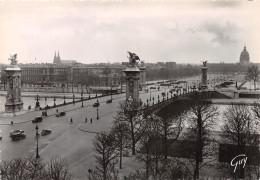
(13, 97)
(132, 77)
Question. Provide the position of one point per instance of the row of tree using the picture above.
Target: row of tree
(35, 169)
(169, 150)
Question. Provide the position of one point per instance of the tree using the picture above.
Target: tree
(104, 146)
(57, 169)
(131, 115)
(34, 169)
(253, 73)
(201, 120)
(240, 130)
(118, 131)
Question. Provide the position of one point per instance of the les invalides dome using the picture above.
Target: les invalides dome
(244, 56)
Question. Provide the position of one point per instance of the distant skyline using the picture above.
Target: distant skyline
(103, 31)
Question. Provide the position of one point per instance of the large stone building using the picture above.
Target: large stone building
(244, 57)
(69, 71)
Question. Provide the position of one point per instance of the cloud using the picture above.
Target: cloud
(221, 33)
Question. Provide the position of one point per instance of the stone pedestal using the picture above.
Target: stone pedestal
(13, 97)
(204, 84)
(142, 77)
(132, 82)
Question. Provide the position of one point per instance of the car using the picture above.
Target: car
(109, 101)
(152, 87)
(1, 137)
(16, 132)
(37, 119)
(163, 94)
(61, 114)
(45, 132)
(96, 104)
(18, 137)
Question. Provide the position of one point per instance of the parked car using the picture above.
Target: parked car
(96, 104)
(109, 101)
(152, 87)
(45, 132)
(61, 114)
(15, 132)
(37, 119)
(0, 137)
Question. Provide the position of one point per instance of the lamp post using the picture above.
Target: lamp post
(45, 104)
(73, 98)
(64, 100)
(150, 94)
(37, 137)
(111, 92)
(82, 98)
(54, 99)
(153, 100)
(97, 109)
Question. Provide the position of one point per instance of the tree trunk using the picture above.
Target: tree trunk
(133, 137)
(120, 153)
(198, 145)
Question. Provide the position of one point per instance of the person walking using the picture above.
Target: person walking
(86, 120)
(57, 110)
(91, 120)
(71, 121)
(12, 122)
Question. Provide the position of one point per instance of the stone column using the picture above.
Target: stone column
(132, 82)
(142, 76)
(13, 97)
(204, 70)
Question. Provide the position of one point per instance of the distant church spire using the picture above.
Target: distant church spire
(56, 59)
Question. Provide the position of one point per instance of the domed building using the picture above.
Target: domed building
(244, 57)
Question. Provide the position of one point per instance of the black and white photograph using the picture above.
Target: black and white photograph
(129, 89)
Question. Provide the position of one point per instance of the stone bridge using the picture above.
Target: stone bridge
(155, 107)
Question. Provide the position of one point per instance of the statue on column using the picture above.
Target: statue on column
(13, 59)
(204, 63)
(133, 58)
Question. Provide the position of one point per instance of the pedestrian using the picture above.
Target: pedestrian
(12, 122)
(86, 120)
(91, 120)
(57, 110)
(71, 121)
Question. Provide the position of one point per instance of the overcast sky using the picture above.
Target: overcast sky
(91, 32)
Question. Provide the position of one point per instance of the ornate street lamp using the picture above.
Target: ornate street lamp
(64, 100)
(150, 94)
(97, 109)
(82, 98)
(37, 148)
(45, 104)
(54, 99)
(37, 101)
(73, 98)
